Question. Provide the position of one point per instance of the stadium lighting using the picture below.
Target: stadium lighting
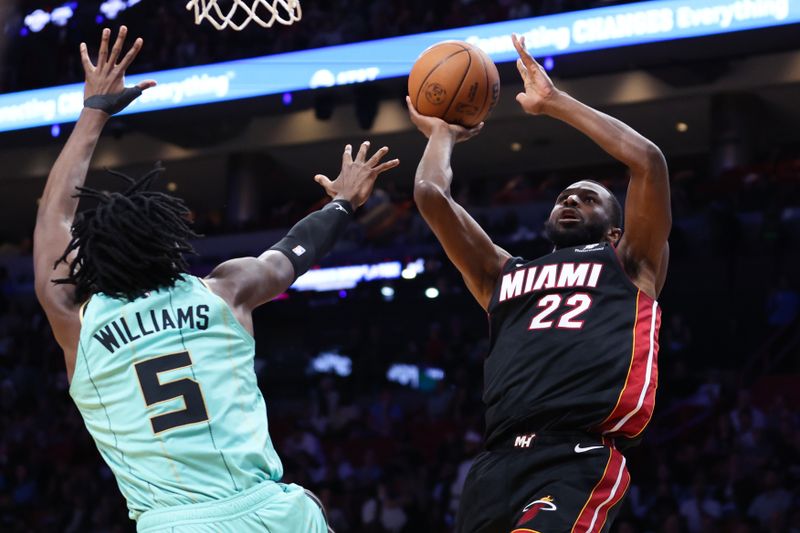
(413, 376)
(682, 127)
(61, 15)
(548, 63)
(112, 8)
(55, 130)
(431, 292)
(412, 269)
(332, 363)
(387, 293)
(37, 20)
(347, 277)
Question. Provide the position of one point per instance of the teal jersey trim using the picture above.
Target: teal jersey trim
(167, 388)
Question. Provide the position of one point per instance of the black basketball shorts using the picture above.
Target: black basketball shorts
(544, 483)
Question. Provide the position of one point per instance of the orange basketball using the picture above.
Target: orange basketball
(455, 81)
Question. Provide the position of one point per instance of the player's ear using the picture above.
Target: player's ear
(614, 235)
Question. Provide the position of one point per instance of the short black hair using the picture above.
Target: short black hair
(130, 243)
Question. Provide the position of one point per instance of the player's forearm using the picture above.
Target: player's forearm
(70, 169)
(434, 171)
(618, 139)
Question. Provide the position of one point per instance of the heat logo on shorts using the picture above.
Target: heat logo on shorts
(532, 509)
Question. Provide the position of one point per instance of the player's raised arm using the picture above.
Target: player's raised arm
(648, 217)
(248, 282)
(105, 94)
(467, 245)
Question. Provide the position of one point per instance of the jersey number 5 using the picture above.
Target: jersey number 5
(155, 392)
(579, 302)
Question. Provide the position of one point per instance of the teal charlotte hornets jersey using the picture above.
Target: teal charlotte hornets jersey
(167, 389)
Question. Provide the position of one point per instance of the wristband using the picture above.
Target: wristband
(113, 103)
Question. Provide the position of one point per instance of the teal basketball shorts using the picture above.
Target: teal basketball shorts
(268, 507)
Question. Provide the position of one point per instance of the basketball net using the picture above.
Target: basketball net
(242, 12)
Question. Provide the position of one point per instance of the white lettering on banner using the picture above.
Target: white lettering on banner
(535, 38)
(192, 87)
(635, 23)
(322, 78)
(624, 25)
(326, 78)
(357, 76)
(35, 109)
(723, 15)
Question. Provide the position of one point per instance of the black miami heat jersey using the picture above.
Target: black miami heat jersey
(574, 346)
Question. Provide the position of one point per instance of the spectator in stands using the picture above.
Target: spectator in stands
(771, 505)
(700, 509)
(744, 406)
(783, 304)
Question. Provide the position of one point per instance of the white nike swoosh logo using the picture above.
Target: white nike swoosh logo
(580, 449)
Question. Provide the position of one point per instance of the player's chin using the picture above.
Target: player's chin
(564, 233)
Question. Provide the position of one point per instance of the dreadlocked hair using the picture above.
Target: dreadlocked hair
(130, 243)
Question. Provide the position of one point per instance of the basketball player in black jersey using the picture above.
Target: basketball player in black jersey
(571, 373)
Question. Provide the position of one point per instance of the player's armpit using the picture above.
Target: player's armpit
(466, 244)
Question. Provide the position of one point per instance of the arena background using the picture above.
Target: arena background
(373, 381)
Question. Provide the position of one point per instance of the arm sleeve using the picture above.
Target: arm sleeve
(313, 237)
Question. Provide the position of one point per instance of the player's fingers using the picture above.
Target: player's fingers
(377, 156)
(325, 183)
(411, 109)
(117, 48)
(383, 167)
(523, 71)
(131, 55)
(476, 130)
(362, 152)
(347, 156)
(87, 63)
(410, 105)
(146, 84)
(524, 55)
(102, 55)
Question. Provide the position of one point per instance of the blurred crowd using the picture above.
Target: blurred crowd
(50, 57)
(722, 452)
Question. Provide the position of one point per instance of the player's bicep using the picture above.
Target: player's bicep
(58, 300)
(466, 244)
(249, 281)
(648, 215)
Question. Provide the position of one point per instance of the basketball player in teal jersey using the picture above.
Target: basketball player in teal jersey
(161, 362)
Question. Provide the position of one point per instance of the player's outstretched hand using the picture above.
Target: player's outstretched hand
(105, 81)
(539, 88)
(428, 125)
(357, 177)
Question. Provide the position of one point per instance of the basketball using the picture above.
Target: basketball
(455, 81)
